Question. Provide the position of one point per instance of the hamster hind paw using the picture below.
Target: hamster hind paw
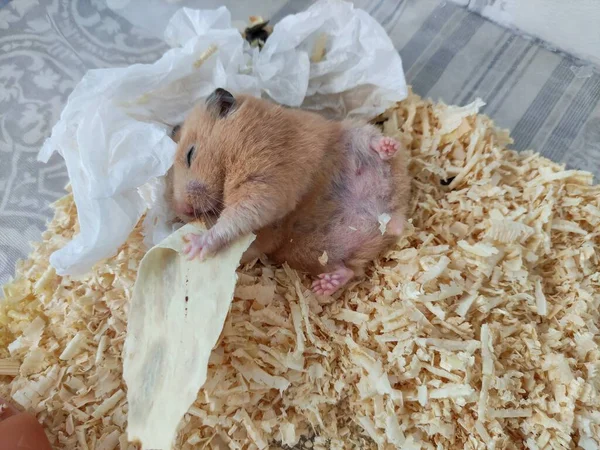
(328, 283)
(385, 147)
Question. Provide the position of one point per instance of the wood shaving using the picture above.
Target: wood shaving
(9, 367)
(383, 220)
(323, 259)
(211, 50)
(480, 329)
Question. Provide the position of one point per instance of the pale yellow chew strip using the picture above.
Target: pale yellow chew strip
(177, 313)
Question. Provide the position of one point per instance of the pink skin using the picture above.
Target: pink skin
(184, 209)
(202, 245)
(395, 226)
(330, 282)
(385, 147)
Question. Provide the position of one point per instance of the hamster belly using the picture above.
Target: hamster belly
(343, 220)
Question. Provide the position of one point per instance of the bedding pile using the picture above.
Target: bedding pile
(478, 330)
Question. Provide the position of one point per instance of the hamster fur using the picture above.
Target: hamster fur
(303, 184)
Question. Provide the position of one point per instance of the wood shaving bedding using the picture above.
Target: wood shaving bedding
(478, 330)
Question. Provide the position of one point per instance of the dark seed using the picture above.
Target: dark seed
(257, 33)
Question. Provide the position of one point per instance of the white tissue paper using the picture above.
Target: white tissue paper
(114, 132)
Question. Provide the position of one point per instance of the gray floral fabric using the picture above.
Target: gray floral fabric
(45, 48)
(549, 100)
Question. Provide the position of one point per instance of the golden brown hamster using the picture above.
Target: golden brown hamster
(303, 184)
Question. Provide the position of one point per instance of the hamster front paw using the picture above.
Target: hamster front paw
(202, 245)
(385, 147)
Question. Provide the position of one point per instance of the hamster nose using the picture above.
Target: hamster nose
(185, 208)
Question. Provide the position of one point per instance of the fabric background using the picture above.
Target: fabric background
(550, 101)
(568, 26)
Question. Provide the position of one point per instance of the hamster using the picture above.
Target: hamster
(303, 184)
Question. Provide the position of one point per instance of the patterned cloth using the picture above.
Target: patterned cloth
(551, 102)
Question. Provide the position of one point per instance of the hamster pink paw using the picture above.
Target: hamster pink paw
(385, 146)
(330, 282)
(200, 245)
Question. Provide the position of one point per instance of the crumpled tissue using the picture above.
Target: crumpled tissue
(114, 132)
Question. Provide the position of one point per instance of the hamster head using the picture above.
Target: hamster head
(198, 175)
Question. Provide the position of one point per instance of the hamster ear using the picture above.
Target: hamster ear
(176, 133)
(222, 102)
